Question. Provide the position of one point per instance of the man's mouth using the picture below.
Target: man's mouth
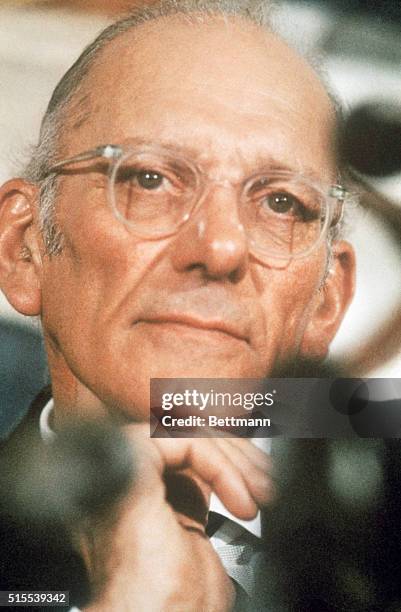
(210, 309)
(191, 321)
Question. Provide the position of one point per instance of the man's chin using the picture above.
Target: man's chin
(194, 367)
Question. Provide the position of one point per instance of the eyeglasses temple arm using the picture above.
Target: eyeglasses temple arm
(107, 151)
(339, 192)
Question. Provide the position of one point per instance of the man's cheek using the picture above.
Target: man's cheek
(286, 311)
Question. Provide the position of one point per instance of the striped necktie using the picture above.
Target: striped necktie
(241, 554)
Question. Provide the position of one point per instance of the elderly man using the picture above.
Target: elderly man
(177, 219)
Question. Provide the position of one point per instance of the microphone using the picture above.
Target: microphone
(46, 491)
(332, 537)
(370, 140)
(87, 469)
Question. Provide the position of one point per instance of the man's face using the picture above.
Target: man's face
(117, 309)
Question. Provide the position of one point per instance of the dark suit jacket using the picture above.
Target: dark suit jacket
(22, 372)
(35, 556)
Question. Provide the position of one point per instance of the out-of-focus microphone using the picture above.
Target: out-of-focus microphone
(370, 140)
(333, 537)
(87, 469)
(48, 492)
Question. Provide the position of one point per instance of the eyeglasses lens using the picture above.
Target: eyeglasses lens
(283, 215)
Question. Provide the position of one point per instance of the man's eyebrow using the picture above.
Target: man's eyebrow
(304, 172)
(265, 160)
(171, 146)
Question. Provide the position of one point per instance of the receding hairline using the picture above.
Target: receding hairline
(192, 11)
(81, 102)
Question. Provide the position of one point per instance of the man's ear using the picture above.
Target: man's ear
(332, 304)
(20, 257)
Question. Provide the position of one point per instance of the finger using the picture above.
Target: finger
(215, 467)
(257, 479)
(254, 454)
(239, 483)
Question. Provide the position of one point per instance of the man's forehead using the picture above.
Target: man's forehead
(225, 71)
(233, 48)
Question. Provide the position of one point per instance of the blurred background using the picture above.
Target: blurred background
(360, 41)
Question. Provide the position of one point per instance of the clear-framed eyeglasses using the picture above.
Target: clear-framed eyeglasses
(155, 192)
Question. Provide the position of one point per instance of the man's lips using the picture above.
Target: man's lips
(210, 308)
(198, 323)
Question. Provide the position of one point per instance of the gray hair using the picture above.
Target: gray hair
(65, 96)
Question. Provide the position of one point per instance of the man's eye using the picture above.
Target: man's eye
(149, 179)
(281, 203)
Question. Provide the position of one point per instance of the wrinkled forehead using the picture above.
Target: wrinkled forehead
(225, 85)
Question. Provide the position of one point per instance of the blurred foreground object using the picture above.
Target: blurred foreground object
(333, 537)
(46, 490)
(86, 469)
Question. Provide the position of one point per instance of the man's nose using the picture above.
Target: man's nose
(213, 239)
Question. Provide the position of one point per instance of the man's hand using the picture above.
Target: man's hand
(148, 555)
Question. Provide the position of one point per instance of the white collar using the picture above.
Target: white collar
(47, 434)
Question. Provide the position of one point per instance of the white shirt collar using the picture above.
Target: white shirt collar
(47, 434)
